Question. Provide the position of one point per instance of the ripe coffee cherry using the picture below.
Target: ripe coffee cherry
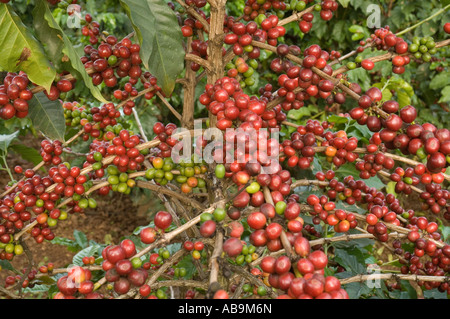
(163, 220)
(408, 114)
(367, 64)
(447, 28)
(232, 246)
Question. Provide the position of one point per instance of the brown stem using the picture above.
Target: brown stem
(213, 262)
(252, 279)
(166, 191)
(362, 278)
(139, 124)
(187, 119)
(180, 283)
(170, 107)
(215, 45)
(296, 16)
(200, 61)
(166, 265)
(9, 293)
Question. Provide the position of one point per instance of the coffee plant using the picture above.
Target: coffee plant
(287, 168)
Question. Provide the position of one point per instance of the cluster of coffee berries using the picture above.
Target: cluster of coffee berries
(313, 284)
(195, 248)
(384, 39)
(164, 134)
(33, 196)
(120, 270)
(300, 149)
(26, 282)
(184, 173)
(244, 70)
(102, 117)
(251, 289)
(435, 199)
(255, 10)
(373, 163)
(191, 24)
(327, 8)
(75, 284)
(396, 131)
(200, 49)
(9, 250)
(51, 151)
(127, 156)
(76, 114)
(325, 210)
(339, 148)
(300, 83)
(14, 96)
(437, 264)
(240, 37)
(113, 60)
(423, 48)
(130, 91)
(228, 102)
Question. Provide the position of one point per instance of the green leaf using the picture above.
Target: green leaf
(69, 243)
(356, 29)
(445, 94)
(53, 45)
(5, 140)
(358, 243)
(412, 293)
(344, 3)
(21, 51)
(349, 169)
(440, 80)
(28, 153)
(188, 264)
(87, 252)
(5, 264)
(357, 36)
(434, 294)
(43, 14)
(37, 289)
(403, 99)
(298, 114)
(356, 289)
(47, 116)
(159, 34)
(351, 259)
(337, 119)
(80, 238)
(445, 230)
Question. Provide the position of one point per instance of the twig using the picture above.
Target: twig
(213, 263)
(170, 107)
(423, 21)
(362, 278)
(139, 124)
(166, 191)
